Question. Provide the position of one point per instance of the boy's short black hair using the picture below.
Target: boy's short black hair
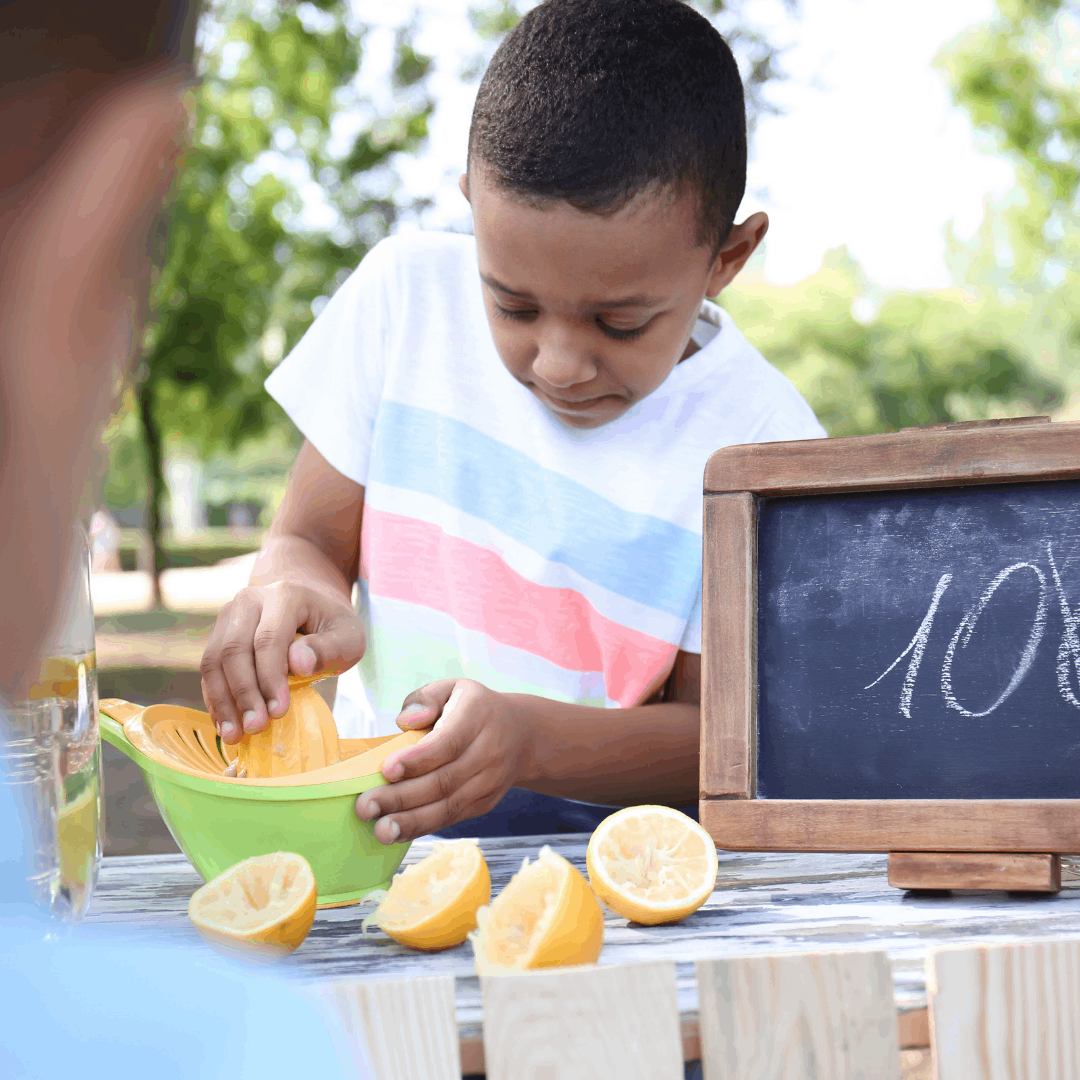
(592, 101)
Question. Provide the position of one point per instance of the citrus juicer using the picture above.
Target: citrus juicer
(219, 820)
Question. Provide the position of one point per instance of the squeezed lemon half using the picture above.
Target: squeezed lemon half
(651, 864)
(262, 907)
(547, 916)
(432, 904)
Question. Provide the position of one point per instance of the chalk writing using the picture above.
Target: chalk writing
(1068, 656)
(967, 626)
(917, 647)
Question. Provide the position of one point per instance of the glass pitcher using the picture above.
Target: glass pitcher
(52, 753)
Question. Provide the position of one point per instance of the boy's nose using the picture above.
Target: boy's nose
(563, 359)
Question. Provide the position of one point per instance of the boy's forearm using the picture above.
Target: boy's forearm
(613, 756)
(288, 557)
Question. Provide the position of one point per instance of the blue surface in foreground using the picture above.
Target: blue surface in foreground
(99, 1003)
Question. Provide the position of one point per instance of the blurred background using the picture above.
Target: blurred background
(919, 163)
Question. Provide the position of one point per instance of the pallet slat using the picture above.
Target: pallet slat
(791, 1017)
(1005, 1012)
(409, 1026)
(581, 1023)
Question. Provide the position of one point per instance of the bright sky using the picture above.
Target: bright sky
(869, 152)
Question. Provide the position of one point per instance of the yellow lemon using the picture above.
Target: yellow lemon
(547, 916)
(77, 837)
(305, 738)
(262, 907)
(651, 864)
(432, 904)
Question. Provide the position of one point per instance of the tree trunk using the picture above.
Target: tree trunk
(155, 481)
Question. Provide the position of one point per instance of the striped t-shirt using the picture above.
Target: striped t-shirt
(498, 544)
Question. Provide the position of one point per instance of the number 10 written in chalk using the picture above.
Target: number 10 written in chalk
(1068, 655)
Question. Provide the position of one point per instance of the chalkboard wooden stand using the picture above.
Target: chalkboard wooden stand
(975, 870)
(941, 839)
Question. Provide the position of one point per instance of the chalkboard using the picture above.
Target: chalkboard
(920, 644)
(890, 644)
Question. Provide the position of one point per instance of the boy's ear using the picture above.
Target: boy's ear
(741, 243)
(463, 184)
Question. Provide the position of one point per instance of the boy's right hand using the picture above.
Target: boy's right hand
(252, 651)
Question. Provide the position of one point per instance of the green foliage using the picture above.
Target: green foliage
(1019, 79)
(124, 483)
(1005, 342)
(919, 358)
(243, 270)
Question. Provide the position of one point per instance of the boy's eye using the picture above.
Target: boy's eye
(513, 313)
(622, 335)
(611, 331)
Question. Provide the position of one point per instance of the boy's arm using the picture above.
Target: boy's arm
(485, 742)
(302, 581)
(619, 756)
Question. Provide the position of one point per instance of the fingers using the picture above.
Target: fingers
(461, 768)
(424, 706)
(413, 808)
(238, 659)
(246, 665)
(229, 683)
(437, 748)
(336, 647)
(446, 742)
(282, 613)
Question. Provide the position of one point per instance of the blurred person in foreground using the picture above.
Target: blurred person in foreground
(92, 120)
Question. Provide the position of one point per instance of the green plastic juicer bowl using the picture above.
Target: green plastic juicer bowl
(217, 823)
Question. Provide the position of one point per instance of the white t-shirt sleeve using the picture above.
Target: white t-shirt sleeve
(331, 383)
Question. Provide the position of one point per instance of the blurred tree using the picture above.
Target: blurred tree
(869, 364)
(288, 182)
(1003, 342)
(1018, 77)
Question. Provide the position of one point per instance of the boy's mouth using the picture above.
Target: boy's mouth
(576, 406)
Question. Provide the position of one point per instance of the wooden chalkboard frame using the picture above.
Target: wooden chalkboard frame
(736, 478)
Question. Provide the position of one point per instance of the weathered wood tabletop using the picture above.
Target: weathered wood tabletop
(763, 904)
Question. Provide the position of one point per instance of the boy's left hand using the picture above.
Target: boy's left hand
(459, 770)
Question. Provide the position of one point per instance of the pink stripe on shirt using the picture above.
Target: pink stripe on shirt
(407, 559)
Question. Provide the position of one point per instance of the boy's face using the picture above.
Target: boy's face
(592, 312)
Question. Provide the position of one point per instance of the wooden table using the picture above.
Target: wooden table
(763, 904)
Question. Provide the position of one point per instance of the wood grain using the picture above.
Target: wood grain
(728, 652)
(987, 825)
(961, 425)
(908, 459)
(792, 1017)
(581, 1023)
(763, 904)
(408, 1026)
(975, 870)
(1006, 1012)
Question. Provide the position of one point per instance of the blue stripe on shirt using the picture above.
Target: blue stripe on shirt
(638, 556)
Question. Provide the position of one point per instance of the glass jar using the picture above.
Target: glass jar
(52, 753)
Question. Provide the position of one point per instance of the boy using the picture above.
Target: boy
(506, 438)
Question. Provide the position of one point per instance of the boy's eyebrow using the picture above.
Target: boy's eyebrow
(628, 301)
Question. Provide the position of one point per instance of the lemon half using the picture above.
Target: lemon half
(651, 864)
(432, 904)
(547, 916)
(262, 907)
